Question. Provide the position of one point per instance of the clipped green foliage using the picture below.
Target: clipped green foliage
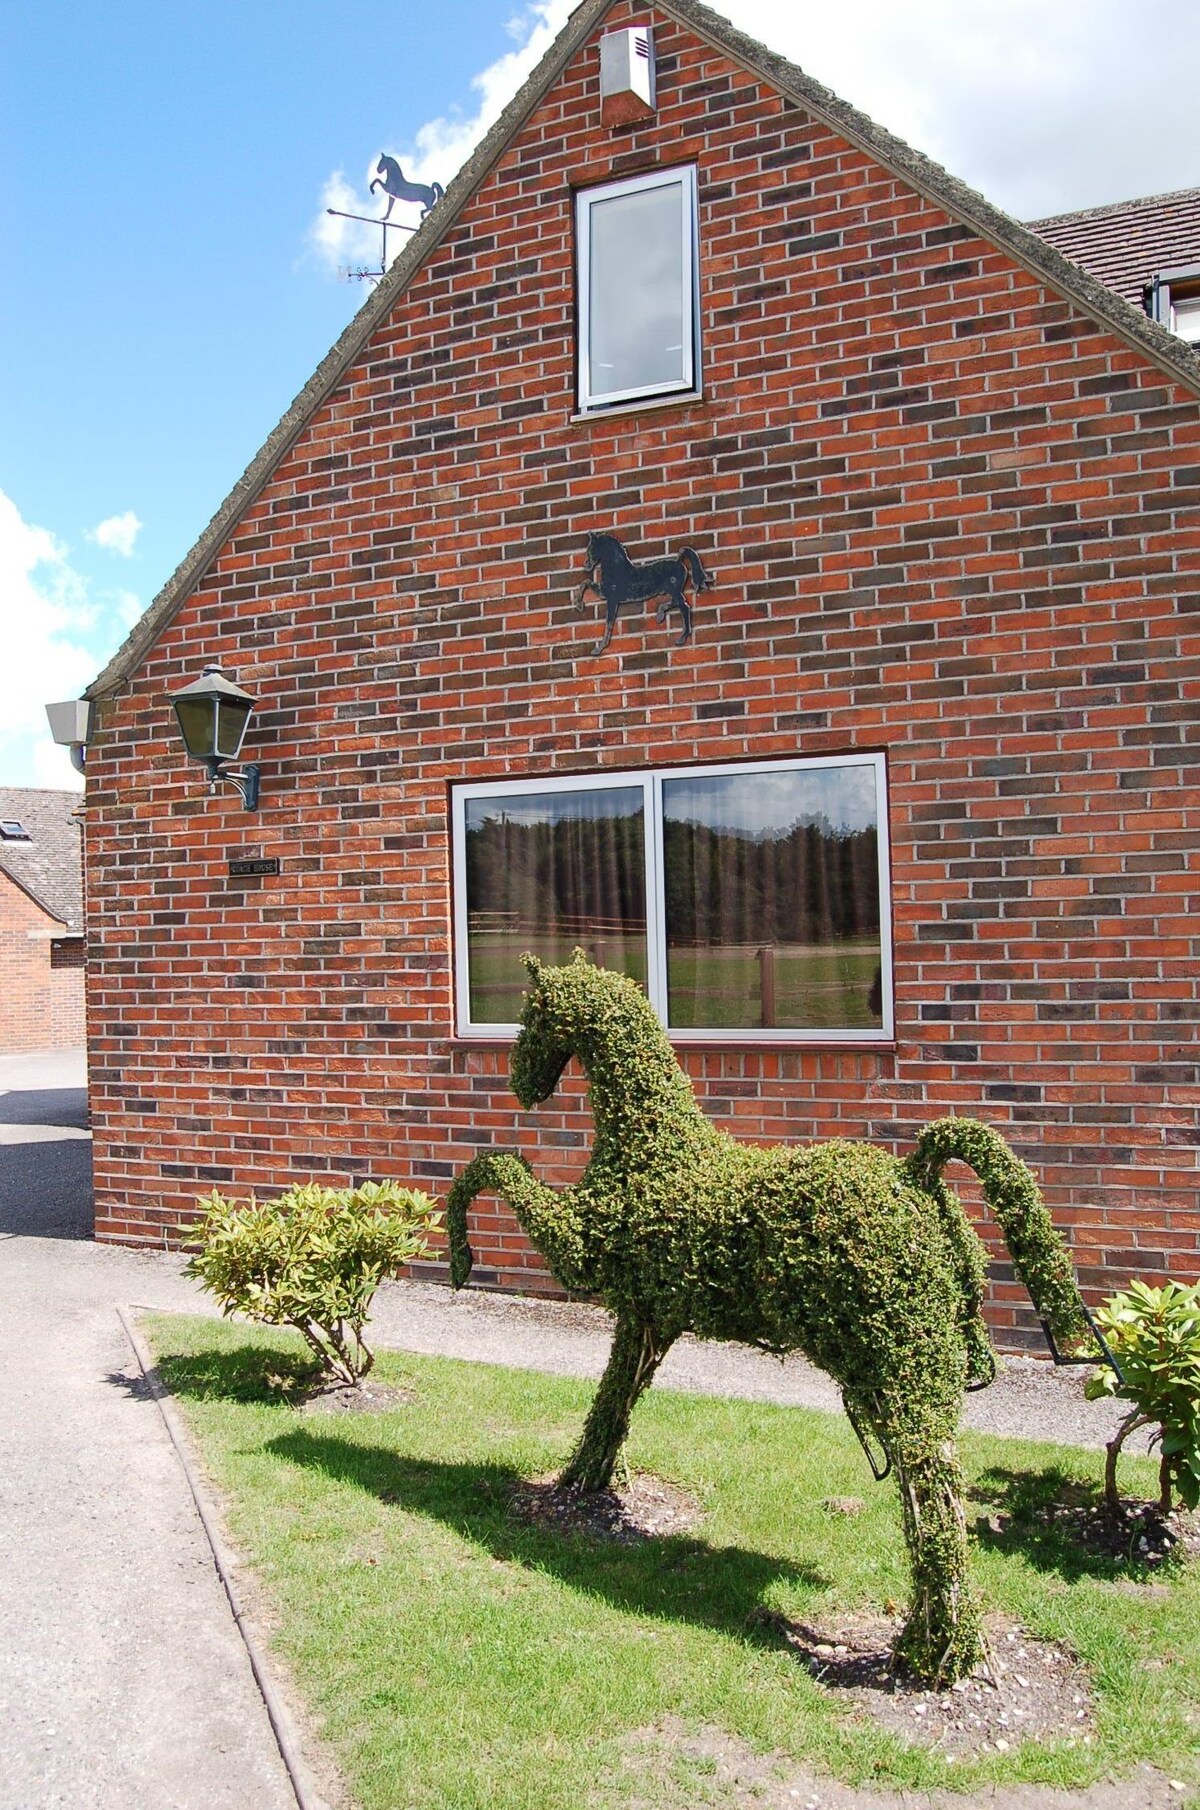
(865, 1263)
(1154, 1334)
(312, 1259)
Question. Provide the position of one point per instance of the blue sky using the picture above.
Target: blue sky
(166, 286)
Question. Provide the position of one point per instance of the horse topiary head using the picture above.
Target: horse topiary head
(543, 1048)
(566, 1009)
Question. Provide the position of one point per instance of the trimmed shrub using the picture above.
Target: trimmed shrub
(312, 1259)
(1154, 1334)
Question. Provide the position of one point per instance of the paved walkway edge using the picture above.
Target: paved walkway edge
(278, 1714)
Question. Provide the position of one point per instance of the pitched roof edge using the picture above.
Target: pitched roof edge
(1107, 209)
(345, 349)
(1040, 259)
(1035, 255)
(27, 889)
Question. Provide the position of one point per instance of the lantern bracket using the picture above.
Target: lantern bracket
(244, 778)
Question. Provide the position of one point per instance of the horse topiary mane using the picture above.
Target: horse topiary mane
(865, 1263)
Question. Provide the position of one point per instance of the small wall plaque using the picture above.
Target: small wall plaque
(239, 870)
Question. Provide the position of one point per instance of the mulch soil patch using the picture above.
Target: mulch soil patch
(647, 1507)
(367, 1397)
(1026, 1690)
(1137, 1534)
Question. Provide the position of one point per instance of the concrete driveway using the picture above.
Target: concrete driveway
(45, 1150)
(123, 1681)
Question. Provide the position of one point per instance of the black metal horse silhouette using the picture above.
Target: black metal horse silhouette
(391, 179)
(615, 577)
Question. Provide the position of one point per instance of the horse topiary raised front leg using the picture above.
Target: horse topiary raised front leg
(637, 1351)
(548, 1219)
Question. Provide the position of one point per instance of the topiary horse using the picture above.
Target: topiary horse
(865, 1263)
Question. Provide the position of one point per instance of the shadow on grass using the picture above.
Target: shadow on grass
(1052, 1519)
(673, 1576)
(252, 1374)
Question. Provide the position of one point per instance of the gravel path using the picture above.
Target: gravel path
(1029, 1399)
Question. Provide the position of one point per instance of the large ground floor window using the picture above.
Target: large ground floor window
(751, 901)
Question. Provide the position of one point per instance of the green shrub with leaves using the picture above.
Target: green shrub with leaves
(1154, 1334)
(866, 1263)
(313, 1259)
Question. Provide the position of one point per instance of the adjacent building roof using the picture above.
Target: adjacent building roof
(1035, 252)
(49, 866)
(1125, 246)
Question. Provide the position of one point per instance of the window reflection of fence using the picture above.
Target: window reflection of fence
(772, 986)
(601, 937)
(498, 939)
(766, 986)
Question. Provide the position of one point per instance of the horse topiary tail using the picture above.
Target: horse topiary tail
(462, 1258)
(1039, 1255)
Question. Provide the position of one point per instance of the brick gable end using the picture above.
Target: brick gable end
(948, 516)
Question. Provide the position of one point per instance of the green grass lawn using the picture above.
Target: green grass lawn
(456, 1658)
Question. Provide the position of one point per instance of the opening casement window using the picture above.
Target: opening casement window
(1173, 299)
(750, 901)
(638, 288)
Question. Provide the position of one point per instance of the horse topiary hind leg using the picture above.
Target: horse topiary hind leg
(942, 1637)
(635, 1356)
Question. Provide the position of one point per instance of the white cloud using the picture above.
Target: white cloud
(127, 606)
(117, 533)
(435, 152)
(46, 614)
(1043, 108)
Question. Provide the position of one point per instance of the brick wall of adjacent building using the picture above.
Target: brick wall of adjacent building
(949, 517)
(41, 977)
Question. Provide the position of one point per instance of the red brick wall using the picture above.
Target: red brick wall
(949, 517)
(41, 995)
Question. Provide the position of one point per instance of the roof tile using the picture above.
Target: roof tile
(49, 867)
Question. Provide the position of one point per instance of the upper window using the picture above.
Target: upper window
(1174, 299)
(638, 294)
(751, 902)
(1185, 315)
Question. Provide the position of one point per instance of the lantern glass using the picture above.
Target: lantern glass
(232, 716)
(197, 723)
(213, 713)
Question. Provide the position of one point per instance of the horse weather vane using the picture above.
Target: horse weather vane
(391, 179)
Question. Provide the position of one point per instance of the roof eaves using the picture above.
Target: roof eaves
(324, 380)
(30, 893)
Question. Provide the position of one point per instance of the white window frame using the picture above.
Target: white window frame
(683, 178)
(1167, 289)
(651, 782)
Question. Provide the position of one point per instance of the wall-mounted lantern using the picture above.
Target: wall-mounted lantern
(71, 727)
(213, 713)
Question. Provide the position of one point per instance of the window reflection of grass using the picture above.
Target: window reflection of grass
(816, 988)
(498, 980)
